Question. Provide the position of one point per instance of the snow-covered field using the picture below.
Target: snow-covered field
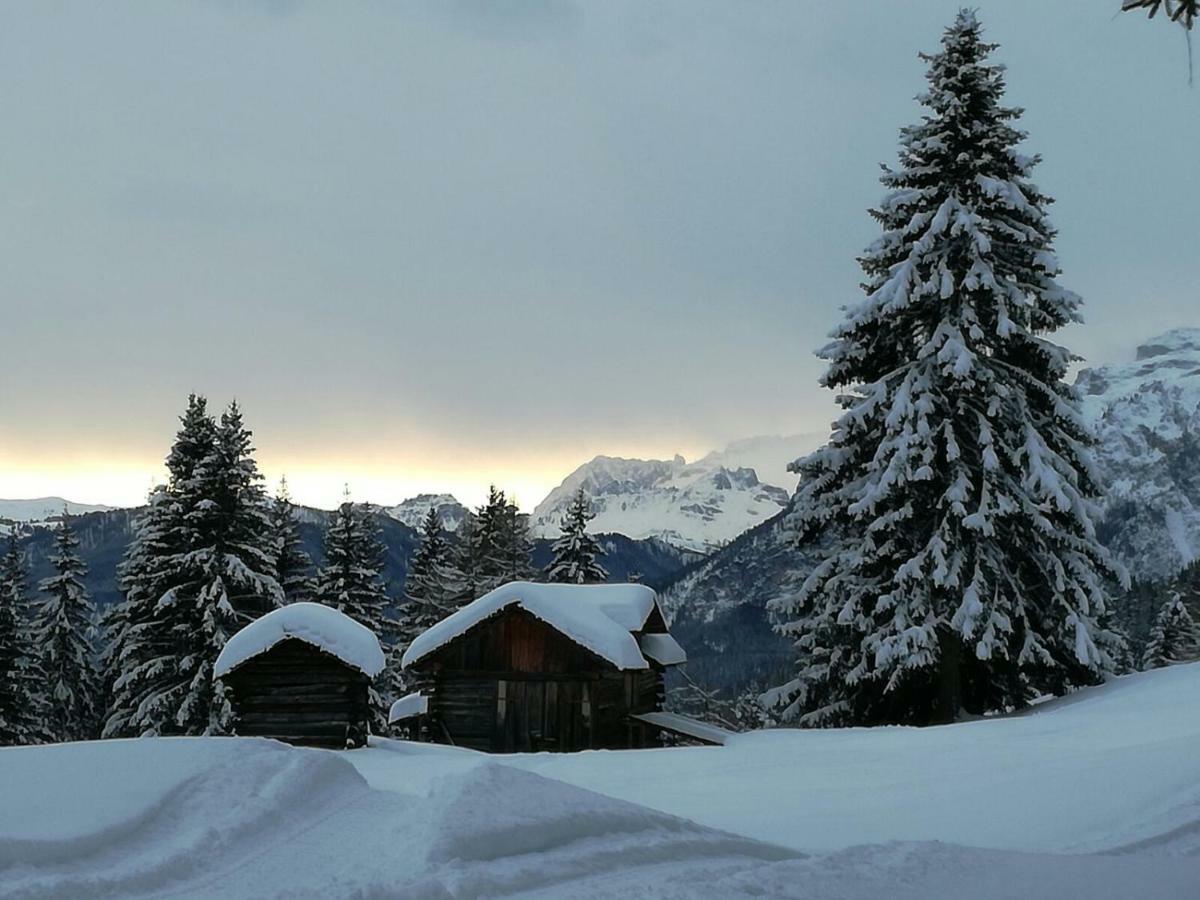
(1094, 796)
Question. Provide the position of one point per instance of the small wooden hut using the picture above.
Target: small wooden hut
(301, 674)
(532, 667)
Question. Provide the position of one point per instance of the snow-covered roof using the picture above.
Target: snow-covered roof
(408, 706)
(700, 731)
(322, 626)
(599, 617)
(663, 649)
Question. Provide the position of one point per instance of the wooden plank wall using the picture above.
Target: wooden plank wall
(299, 694)
(514, 684)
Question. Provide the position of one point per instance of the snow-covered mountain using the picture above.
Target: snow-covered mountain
(697, 506)
(40, 509)
(1147, 417)
(412, 512)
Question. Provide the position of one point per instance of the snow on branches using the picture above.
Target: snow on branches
(964, 571)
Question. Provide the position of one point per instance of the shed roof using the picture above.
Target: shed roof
(321, 626)
(598, 617)
(408, 707)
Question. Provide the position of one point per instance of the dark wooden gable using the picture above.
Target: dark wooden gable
(515, 641)
(297, 692)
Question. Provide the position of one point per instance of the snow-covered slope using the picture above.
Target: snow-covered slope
(1147, 417)
(1095, 796)
(41, 508)
(412, 512)
(697, 506)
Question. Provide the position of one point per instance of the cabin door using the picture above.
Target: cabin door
(532, 716)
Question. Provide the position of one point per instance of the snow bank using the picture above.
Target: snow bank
(1096, 795)
(599, 617)
(1099, 771)
(322, 626)
(120, 818)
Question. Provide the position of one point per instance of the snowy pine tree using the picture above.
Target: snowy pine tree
(575, 552)
(63, 635)
(433, 587)
(293, 566)
(517, 546)
(21, 686)
(491, 542)
(1174, 637)
(350, 582)
(957, 490)
(199, 567)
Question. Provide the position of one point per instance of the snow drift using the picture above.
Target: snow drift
(1096, 795)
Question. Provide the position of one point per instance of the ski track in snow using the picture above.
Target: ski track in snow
(1095, 795)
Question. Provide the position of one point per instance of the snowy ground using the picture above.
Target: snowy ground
(1095, 796)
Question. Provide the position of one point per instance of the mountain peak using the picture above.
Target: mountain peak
(695, 506)
(38, 509)
(1177, 340)
(412, 512)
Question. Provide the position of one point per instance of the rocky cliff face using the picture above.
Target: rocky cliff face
(1146, 414)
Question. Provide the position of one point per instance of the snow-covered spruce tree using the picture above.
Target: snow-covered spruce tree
(223, 577)
(957, 490)
(575, 552)
(433, 587)
(199, 567)
(22, 706)
(293, 566)
(1174, 637)
(62, 632)
(490, 535)
(517, 546)
(350, 582)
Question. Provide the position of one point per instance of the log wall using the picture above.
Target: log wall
(297, 693)
(514, 684)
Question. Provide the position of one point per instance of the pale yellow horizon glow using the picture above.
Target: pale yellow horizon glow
(311, 482)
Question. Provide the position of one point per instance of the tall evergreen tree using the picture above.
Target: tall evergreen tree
(293, 566)
(575, 552)
(21, 706)
(433, 588)
(491, 540)
(957, 490)
(350, 582)
(199, 567)
(517, 546)
(63, 634)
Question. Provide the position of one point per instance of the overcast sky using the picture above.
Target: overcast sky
(433, 245)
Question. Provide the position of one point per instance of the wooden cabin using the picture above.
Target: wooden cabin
(301, 674)
(532, 667)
